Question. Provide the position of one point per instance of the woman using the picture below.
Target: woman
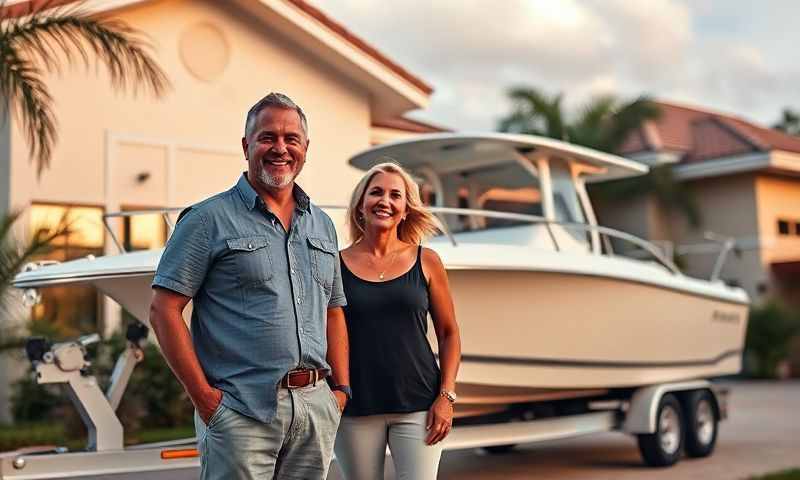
(400, 395)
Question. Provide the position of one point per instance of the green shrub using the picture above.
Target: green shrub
(153, 397)
(31, 402)
(793, 474)
(769, 332)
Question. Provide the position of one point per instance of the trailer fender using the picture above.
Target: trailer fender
(643, 408)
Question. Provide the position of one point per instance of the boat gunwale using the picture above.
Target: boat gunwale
(614, 274)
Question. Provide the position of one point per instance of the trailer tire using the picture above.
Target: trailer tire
(702, 423)
(664, 447)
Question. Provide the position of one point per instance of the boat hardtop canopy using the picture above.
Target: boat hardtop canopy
(495, 157)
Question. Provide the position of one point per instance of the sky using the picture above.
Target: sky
(733, 56)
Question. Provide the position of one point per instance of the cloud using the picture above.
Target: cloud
(723, 54)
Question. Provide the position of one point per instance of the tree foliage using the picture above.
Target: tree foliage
(789, 122)
(603, 123)
(41, 39)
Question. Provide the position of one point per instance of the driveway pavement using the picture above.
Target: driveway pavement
(761, 435)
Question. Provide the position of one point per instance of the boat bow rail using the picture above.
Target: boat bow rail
(605, 233)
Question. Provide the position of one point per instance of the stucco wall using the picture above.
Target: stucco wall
(631, 215)
(5, 160)
(728, 208)
(779, 198)
(198, 122)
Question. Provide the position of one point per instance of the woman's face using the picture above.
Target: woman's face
(384, 204)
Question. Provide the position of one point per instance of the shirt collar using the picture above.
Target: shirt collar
(252, 200)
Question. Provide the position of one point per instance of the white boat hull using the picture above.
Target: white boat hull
(554, 330)
(535, 324)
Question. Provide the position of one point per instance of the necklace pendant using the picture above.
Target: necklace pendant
(380, 276)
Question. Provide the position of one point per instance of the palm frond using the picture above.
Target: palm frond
(629, 117)
(789, 122)
(21, 83)
(534, 113)
(40, 40)
(13, 256)
(592, 123)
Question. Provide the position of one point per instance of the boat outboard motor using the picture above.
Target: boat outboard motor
(67, 362)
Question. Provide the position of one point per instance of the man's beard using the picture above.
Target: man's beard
(278, 181)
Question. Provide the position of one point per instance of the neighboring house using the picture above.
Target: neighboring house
(119, 152)
(746, 181)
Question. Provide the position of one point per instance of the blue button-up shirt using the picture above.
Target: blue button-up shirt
(260, 294)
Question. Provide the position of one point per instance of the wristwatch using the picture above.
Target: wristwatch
(449, 395)
(348, 392)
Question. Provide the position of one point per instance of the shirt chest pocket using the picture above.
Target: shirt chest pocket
(322, 253)
(252, 259)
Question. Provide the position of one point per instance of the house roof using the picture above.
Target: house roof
(406, 124)
(697, 135)
(361, 44)
(415, 92)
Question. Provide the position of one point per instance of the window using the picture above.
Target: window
(797, 228)
(144, 232)
(68, 310)
(85, 228)
(783, 227)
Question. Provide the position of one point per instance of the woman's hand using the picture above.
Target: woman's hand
(440, 420)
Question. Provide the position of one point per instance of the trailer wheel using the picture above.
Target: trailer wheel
(499, 449)
(701, 424)
(663, 447)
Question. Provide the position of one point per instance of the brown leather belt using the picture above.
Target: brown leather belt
(303, 377)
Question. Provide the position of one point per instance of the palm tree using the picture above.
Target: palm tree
(604, 124)
(789, 122)
(35, 39)
(13, 258)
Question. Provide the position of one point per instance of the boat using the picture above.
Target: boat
(549, 303)
(555, 301)
(567, 327)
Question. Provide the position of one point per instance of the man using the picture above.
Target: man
(261, 265)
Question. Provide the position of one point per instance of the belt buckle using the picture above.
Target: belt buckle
(312, 373)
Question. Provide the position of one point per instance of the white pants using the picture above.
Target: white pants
(361, 447)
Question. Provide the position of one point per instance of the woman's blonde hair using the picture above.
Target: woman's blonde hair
(419, 223)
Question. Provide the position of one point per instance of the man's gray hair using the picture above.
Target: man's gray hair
(274, 100)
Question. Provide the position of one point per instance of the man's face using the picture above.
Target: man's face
(275, 148)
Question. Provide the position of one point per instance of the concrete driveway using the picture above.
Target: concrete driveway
(761, 435)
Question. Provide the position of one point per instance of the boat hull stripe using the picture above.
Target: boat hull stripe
(555, 362)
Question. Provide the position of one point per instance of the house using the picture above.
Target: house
(745, 179)
(118, 152)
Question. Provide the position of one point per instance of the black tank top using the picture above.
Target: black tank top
(392, 366)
